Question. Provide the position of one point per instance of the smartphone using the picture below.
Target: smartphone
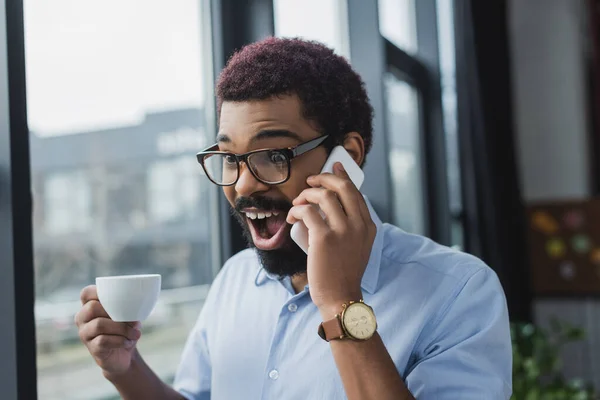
(299, 231)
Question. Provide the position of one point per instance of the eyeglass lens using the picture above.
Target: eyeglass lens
(270, 166)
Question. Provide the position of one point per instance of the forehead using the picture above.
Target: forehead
(240, 121)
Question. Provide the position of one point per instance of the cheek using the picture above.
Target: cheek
(304, 168)
(229, 192)
(294, 186)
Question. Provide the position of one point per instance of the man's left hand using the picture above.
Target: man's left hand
(339, 247)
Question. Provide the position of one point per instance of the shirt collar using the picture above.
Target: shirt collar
(371, 276)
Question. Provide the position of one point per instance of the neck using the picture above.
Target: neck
(299, 281)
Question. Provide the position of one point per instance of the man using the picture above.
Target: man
(271, 325)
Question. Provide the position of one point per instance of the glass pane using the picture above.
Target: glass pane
(397, 23)
(222, 169)
(68, 203)
(402, 117)
(270, 166)
(445, 14)
(116, 109)
(325, 21)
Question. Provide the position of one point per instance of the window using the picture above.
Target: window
(402, 117)
(397, 23)
(68, 203)
(415, 125)
(121, 196)
(116, 109)
(325, 21)
(445, 13)
(174, 189)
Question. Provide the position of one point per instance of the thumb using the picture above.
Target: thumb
(339, 170)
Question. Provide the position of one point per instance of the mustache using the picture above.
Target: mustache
(262, 203)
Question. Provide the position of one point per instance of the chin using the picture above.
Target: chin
(283, 262)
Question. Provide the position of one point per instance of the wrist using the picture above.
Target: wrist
(115, 377)
(332, 307)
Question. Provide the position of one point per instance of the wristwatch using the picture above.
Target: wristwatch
(356, 321)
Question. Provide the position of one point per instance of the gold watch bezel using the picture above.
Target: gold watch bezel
(340, 317)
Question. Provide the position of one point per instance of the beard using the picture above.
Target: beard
(289, 259)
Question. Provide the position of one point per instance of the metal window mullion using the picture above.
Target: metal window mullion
(434, 135)
(234, 24)
(17, 336)
(367, 52)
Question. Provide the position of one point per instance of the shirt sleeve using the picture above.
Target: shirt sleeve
(193, 376)
(466, 352)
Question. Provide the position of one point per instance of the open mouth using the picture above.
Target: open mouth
(268, 227)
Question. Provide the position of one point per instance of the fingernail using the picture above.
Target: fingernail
(137, 333)
(340, 167)
(129, 343)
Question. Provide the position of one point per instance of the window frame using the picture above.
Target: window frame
(421, 70)
(17, 338)
(17, 295)
(235, 24)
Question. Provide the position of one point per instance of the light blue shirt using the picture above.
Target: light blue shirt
(441, 313)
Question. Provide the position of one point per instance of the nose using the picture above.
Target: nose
(247, 184)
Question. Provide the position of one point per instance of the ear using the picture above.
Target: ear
(355, 146)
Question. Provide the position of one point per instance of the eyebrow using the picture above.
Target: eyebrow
(262, 135)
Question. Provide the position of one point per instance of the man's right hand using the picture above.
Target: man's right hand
(112, 344)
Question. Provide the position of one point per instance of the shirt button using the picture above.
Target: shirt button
(274, 374)
(292, 307)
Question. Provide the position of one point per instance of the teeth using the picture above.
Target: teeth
(261, 215)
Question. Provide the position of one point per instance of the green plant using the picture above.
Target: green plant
(536, 363)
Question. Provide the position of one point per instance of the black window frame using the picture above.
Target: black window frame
(17, 338)
(422, 71)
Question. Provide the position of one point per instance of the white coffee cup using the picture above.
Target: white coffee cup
(128, 298)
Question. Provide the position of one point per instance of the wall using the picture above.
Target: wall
(548, 42)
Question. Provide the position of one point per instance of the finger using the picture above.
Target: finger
(88, 293)
(104, 342)
(309, 215)
(340, 171)
(329, 203)
(343, 187)
(106, 326)
(364, 209)
(90, 310)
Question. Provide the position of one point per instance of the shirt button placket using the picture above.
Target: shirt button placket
(272, 373)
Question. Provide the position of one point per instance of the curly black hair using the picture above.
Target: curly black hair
(333, 95)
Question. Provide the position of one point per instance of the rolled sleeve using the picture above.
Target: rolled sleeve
(466, 352)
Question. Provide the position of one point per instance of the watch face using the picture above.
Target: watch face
(359, 321)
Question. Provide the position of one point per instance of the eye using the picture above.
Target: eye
(277, 157)
(230, 159)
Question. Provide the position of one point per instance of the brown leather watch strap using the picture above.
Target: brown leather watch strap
(332, 329)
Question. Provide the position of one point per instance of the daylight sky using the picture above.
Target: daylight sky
(94, 65)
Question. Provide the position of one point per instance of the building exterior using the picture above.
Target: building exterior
(126, 200)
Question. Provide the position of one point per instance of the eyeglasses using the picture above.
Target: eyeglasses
(270, 166)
